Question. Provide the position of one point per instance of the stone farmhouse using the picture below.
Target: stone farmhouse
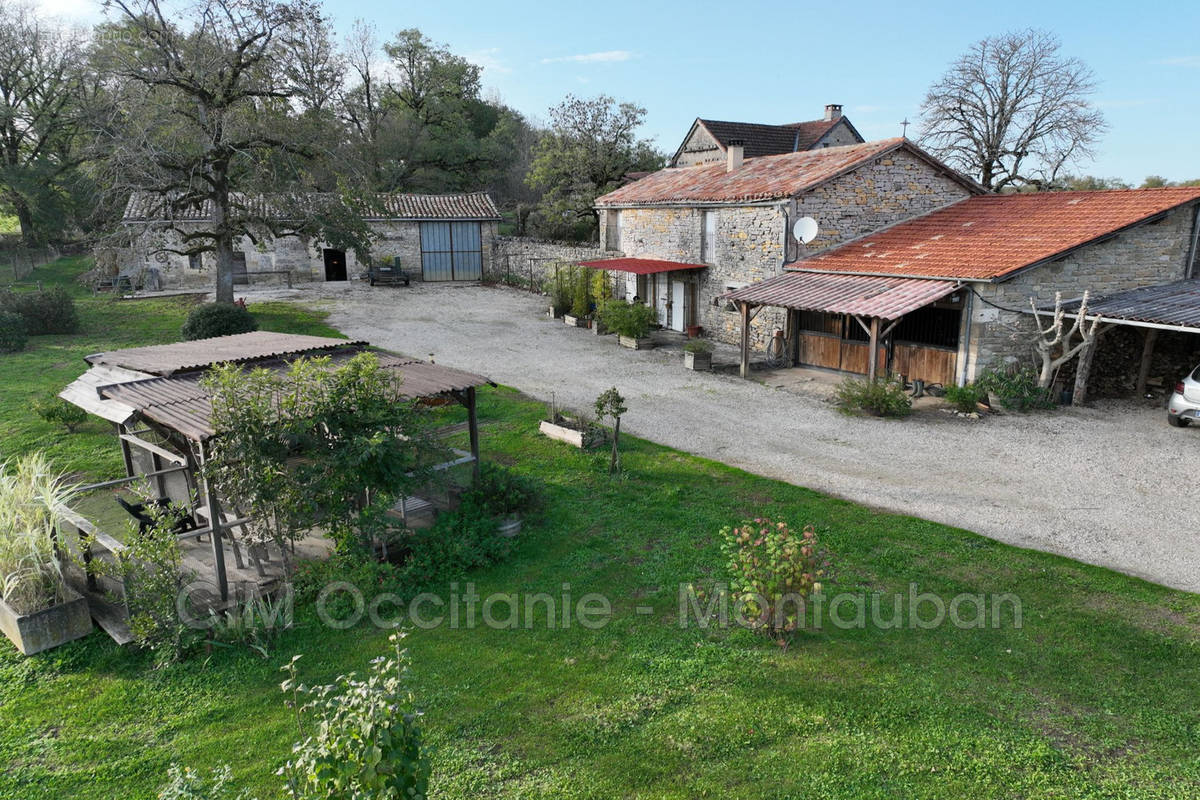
(708, 140)
(913, 269)
(434, 237)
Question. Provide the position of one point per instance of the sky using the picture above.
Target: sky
(783, 61)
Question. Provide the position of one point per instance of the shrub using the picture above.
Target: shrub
(632, 320)
(13, 333)
(502, 492)
(558, 288)
(581, 295)
(57, 411)
(965, 398)
(217, 319)
(1015, 388)
(882, 397)
(458, 541)
(697, 346)
(45, 311)
(770, 568)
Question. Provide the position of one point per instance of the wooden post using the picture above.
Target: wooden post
(473, 429)
(126, 456)
(1147, 354)
(744, 309)
(1083, 369)
(214, 511)
(873, 356)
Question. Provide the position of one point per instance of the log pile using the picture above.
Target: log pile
(1118, 357)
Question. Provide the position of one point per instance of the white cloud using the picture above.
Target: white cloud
(602, 57)
(1180, 61)
(71, 11)
(489, 59)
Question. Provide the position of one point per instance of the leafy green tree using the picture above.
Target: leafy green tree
(1088, 183)
(611, 404)
(591, 145)
(45, 87)
(210, 108)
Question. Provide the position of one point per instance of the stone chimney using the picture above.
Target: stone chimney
(833, 111)
(734, 154)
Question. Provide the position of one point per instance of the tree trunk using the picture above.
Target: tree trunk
(25, 217)
(223, 246)
(615, 465)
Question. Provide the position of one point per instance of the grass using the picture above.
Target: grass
(1094, 696)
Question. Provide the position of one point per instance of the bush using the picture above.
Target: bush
(45, 311)
(581, 295)
(13, 333)
(632, 320)
(882, 397)
(559, 291)
(30, 573)
(697, 346)
(217, 319)
(502, 492)
(458, 541)
(965, 398)
(57, 411)
(770, 567)
(1015, 388)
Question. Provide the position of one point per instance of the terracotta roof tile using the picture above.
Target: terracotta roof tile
(990, 236)
(758, 179)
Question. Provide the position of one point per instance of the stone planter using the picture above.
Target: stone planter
(576, 322)
(552, 313)
(645, 343)
(599, 328)
(697, 361)
(50, 627)
(561, 433)
(509, 526)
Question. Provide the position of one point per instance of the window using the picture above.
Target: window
(195, 261)
(612, 231)
(451, 251)
(708, 236)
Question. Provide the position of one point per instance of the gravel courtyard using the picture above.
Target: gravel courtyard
(1110, 485)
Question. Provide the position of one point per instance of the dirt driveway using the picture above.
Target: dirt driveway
(1111, 485)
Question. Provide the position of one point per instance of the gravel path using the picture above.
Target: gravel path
(1110, 485)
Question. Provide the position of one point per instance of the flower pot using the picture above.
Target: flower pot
(553, 313)
(509, 526)
(697, 361)
(575, 322)
(694, 331)
(599, 328)
(645, 343)
(561, 433)
(50, 627)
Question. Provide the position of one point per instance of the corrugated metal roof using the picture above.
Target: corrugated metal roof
(860, 295)
(148, 207)
(180, 403)
(167, 359)
(1175, 305)
(760, 179)
(988, 237)
(640, 266)
(84, 392)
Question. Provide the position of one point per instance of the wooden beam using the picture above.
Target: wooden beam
(215, 521)
(161, 452)
(473, 428)
(744, 310)
(126, 456)
(873, 356)
(1147, 354)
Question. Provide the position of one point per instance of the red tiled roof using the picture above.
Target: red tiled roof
(640, 266)
(988, 237)
(861, 295)
(147, 206)
(764, 178)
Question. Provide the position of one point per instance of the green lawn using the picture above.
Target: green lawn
(1096, 696)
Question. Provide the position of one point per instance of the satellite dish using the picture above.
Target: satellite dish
(805, 229)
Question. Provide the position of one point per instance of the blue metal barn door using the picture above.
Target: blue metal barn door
(468, 251)
(437, 263)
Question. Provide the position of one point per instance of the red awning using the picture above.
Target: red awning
(640, 266)
(859, 295)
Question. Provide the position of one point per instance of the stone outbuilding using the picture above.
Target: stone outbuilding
(708, 140)
(444, 237)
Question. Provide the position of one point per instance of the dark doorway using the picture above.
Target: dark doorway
(239, 269)
(335, 265)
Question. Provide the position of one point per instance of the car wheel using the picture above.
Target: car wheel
(1176, 422)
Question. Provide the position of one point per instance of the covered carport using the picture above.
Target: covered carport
(876, 304)
(1168, 308)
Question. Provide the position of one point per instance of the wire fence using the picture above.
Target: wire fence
(19, 262)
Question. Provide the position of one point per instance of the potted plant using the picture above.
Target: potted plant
(574, 429)
(631, 322)
(559, 292)
(694, 331)
(37, 608)
(697, 354)
(505, 495)
(581, 299)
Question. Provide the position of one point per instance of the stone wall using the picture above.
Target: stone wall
(303, 258)
(1143, 256)
(700, 148)
(838, 136)
(529, 262)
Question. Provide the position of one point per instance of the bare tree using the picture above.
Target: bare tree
(43, 90)
(204, 119)
(1053, 342)
(1013, 111)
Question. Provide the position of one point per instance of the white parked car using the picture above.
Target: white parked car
(1184, 406)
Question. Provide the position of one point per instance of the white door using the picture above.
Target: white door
(660, 298)
(677, 305)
